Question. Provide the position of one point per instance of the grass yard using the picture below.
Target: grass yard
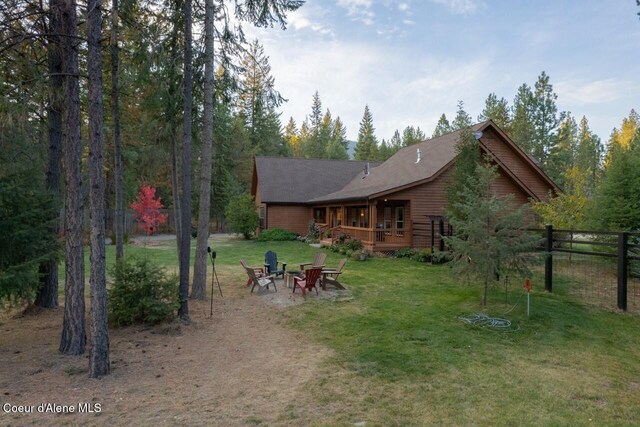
(414, 362)
(398, 354)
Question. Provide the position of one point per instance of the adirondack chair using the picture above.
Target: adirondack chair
(307, 281)
(258, 270)
(260, 282)
(271, 263)
(330, 275)
(318, 261)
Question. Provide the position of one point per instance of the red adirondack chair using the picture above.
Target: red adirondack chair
(308, 281)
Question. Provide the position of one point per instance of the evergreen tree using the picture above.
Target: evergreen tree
(412, 135)
(396, 142)
(384, 151)
(367, 145)
(588, 157)
(497, 110)
(617, 202)
(314, 145)
(462, 119)
(490, 240)
(336, 135)
(562, 156)
(544, 113)
(443, 127)
(464, 172)
(340, 133)
(257, 103)
(522, 127)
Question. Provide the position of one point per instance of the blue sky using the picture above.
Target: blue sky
(412, 60)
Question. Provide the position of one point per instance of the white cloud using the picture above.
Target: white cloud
(359, 10)
(400, 88)
(459, 7)
(574, 92)
(403, 7)
(298, 21)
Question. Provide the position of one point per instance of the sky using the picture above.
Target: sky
(412, 60)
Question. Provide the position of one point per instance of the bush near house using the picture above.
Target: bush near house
(276, 235)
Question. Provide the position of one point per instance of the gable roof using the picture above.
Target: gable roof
(297, 180)
(402, 170)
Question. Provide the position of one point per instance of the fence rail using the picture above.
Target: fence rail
(600, 265)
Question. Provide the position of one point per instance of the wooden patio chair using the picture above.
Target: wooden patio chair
(308, 281)
(258, 270)
(318, 261)
(271, 263)
(261, 282)
(330, 275)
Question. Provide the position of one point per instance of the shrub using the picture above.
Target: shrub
(142, 293)
(354, 245)
(276, 235)
(422, 255)
(405, 253)
(242, 216)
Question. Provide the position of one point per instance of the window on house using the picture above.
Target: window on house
(400, 217)
(261, 216)
(387, 217)
(320, 215)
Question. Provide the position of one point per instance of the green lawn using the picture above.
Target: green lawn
(409, 360)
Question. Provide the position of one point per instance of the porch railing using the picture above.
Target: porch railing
(391, 236)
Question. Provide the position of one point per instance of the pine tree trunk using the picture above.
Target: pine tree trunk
(198, 291)
(73, 338)
(185, 243)
(47, 296)
(118, 225)
(99, 354)
(175, 187)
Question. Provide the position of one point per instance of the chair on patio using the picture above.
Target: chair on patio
(258, 270)
(318, 261)
(308, 281)
(330, 275)
(271, 263)
(261, 282)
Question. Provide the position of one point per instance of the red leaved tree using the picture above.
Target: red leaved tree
(147, 208)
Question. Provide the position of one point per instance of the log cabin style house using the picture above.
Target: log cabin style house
(390, 205)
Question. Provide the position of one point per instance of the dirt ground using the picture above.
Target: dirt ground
(243, 366)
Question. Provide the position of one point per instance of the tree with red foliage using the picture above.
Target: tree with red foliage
(147, 208)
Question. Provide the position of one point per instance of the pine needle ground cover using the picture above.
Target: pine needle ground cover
(402, 356)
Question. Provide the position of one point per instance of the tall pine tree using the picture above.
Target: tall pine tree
(367, 145)
(522, 127)
(443, 127)
(497, 110)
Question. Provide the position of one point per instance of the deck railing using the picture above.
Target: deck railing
(373, 236)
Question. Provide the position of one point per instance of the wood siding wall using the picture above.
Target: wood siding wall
(430, 199)
(518, 166)
(289, 217)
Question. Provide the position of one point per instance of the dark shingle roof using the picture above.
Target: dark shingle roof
(296, 180)
(401, 169)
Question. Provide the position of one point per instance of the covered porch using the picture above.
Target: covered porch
(381, 225)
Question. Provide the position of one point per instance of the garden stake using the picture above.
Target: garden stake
(527, 286)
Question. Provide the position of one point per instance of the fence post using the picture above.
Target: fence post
(622, 271)
(548, 261)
